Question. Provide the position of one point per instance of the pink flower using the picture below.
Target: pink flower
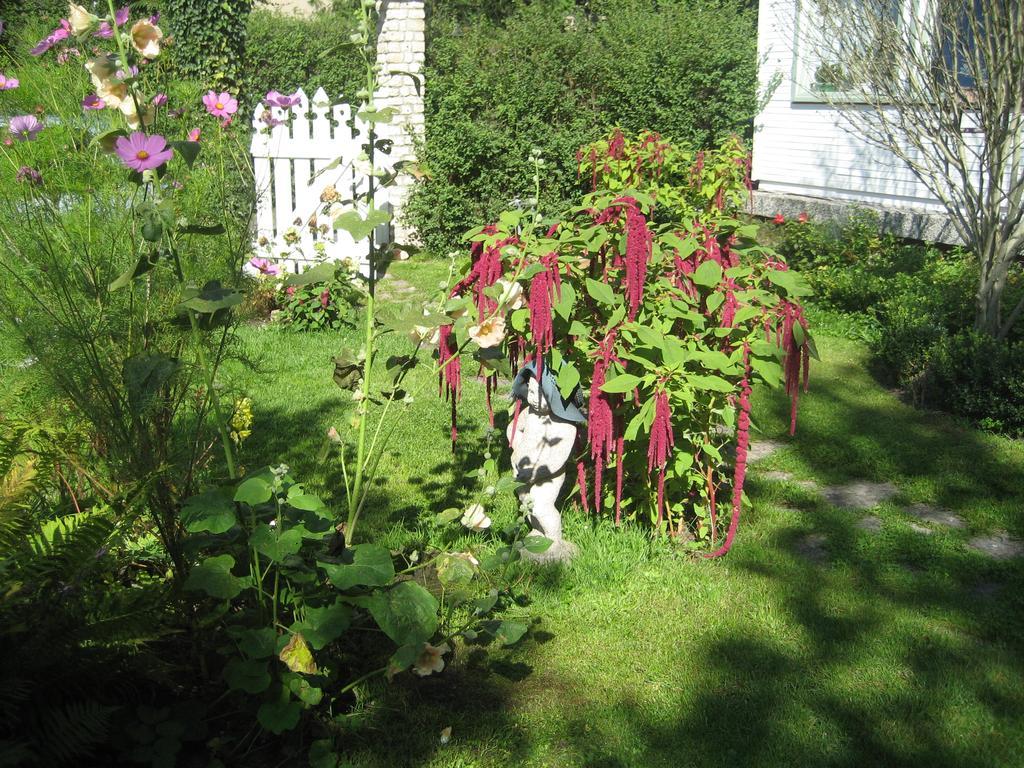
(8, 83)
(24, 127)
(221, 104)
(62, 32)
(275, 99)
(121, 17)
(325, 298)
(160, 99)
(193, 135)
(29, 176)
(105, 32)
(92, 101)
(290, 290)
(268, 119)
(779, 219)
(143, 153)
(264, 266)
(803, 217)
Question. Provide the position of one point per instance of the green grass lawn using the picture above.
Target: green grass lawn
(894, 648)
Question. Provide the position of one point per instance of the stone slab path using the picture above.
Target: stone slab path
(859, 495)
(999, 546)
(936, 515)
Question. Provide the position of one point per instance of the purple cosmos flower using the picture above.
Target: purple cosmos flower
(221, 104)
(143, 153)
(92, 101)
(62, 32)
(105, 31)
(160, 99)
(24, 127)
(133, 71)
(154, 19)
(7, 83)
(28, 175)
(121, 17)
(264, 266)
(275, 99)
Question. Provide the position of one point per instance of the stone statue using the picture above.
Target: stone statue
(542, 439)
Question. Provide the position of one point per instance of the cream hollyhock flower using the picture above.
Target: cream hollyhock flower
(113, 94)
(131, 114)
(475, 518)
(511, 295)
(80, 19)
(102, 69)
(430, 659)
(146, 37)
(424, 333)
(489, 333)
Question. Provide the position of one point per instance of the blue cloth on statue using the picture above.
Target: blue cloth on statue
(561, 409)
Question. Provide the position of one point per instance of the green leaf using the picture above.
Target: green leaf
(769, 370)
(275, 547)
(212, 298)
(280, 715)
(306, 502)
(684, 247)
(321, 273)
(791, 282)
(297, 656)
(142, 266)
(453, 570)
(403, 658)
(253, 491)
(407, 613)
(187, 150)
(537, 544)
(257, 643)
(568, 380)
(600, 292)
(649, 336)
(625, 382)
(201, 229)
(322, 754)
(213, 576)
(211, 511)
(302, 689)
(145, 374)
(563, 307)
(506, 632)
(108, 141)
(713, 383)
(322, 626)
(364, 565)
(359, 227)
(708, 274)
(247, 675)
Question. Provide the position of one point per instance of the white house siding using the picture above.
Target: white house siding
(804, 158)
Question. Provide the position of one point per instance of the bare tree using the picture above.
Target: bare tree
(940, 84)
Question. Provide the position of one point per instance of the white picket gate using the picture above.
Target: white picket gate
(289, 163)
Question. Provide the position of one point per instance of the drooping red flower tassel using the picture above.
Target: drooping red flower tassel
(619, 450)
(742, 446)
(638, 253)
(581, 481)
(600, 416)
(796, 360)
(661, 443)
(544, 288)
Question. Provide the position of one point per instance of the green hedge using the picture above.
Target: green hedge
(552, 76)
(286, 52)
(209, 38)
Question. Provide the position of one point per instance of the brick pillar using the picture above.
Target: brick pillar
(401, 47)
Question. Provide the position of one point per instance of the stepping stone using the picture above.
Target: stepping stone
(871, 524)
(936, 515)
(999, 546)
(924, 530)
(762, 449)
(812, 548)
(778, 475)
(859, 495)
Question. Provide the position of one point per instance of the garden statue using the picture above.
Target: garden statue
(542, 436)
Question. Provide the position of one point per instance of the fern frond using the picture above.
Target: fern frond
(70, 732)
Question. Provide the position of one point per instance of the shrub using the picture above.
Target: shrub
(209, 38)
(285, 53)
(979, 377)
(553, 79)
(662, 324)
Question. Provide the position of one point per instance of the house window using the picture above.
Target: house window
(841, 46)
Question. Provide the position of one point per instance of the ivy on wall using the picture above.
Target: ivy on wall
(210, 37)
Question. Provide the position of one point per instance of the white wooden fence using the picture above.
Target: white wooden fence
(290, 162)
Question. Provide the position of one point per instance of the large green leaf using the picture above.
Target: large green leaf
(145, 263)
(625, 382)
(211, 511)
(563, 307)
(297, 656)
(321, 273)
(792, 283)
(407, 613)
(708, 274)
(247, 675)
(324, 625)
(279, 715)
(274, 546)
(213, 576)
(600, 292)
(253, 491)
(256, 643)
(364, 565)
(212, 298)
(359, 227)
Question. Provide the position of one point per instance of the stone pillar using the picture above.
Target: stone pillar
(401, 47)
